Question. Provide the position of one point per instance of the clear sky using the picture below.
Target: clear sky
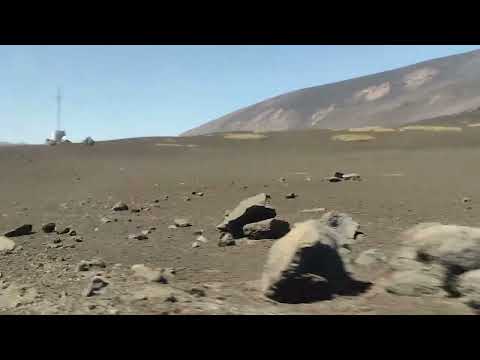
(132, 91)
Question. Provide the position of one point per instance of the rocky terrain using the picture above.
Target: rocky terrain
(439, 87)
(285, 223)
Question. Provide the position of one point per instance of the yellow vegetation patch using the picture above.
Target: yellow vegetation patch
(431, 128)
(244, 136)
(372, 129)
(353, 137)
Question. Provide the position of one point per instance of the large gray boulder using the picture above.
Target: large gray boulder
(437, 259)
(251, 210)
(266, 229)
(455, 247)
(418, 282)
(305, 266)
(468, 285)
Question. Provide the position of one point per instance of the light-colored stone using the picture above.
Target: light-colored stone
(418, 282)
(266, 229)
(468, 285)
(343, 224)
(145, 272)
(306, 264)
(6, 244)
(182, 222)
(448, 245)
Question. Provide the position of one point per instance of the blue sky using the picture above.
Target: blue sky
(132, 91)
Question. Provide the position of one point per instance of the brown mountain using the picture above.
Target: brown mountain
(430, 89)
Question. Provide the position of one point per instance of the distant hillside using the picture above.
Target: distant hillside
(431, 89)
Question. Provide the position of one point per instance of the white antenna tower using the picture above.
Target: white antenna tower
(59, 104)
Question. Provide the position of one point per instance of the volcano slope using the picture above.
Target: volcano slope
(407, 176)
(427, 90)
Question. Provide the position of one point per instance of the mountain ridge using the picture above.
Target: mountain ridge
(425, 90)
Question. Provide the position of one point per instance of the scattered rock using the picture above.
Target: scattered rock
(145, 232)
(63, 231)
(96, 286)
(468, 285)
(291, 196)
(198, 232)
(88, 265)
(172, 226)
(20, 231)
(466, 200)
(338, 175)
(417, 282)
(316, 210)
(182, 223)
(48, 228)
(251, 210)
(120, 206)
(226, 240)
(452, 246)
(202, 239)
(186, 198)
(195, 244)
(135, 210)
(282, 179)
(6, 244)
(370, 257)
(352, 176)
(57, 241)
(137, 237)
(266, 229)
(163, 293)
(105, 220)
(149, 274)
(305, 266)
(72, 233)
(334, 179)
(197, 292)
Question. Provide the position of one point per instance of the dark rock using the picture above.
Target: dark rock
(291, 196)
(97, 284)
(135, 210)
(226, 240)
(63, 231)
(48, 228)
(266, 229)
(120, 206)
(251, 210)
(20, 231)
(197, 292)
(334, 179)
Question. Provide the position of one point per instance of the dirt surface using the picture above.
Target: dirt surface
(407, 178)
